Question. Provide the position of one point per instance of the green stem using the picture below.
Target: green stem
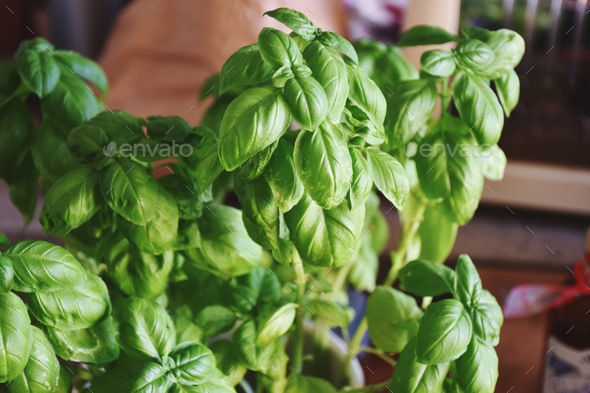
(297, 356)
(370, 389)
(356, 343)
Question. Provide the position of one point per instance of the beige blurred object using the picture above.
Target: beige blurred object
(441, 13)
(160, 52)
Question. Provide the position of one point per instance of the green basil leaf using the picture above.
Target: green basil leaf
(23, 188)
(494, 163)
(16, 337)
(153, 378)
(145, 329)
(4, 241)
(278, 49)
(186, 331)
(69, 202)
(255, 357)
(363, 273)
(42, 369)
(225, 245)
(16, 134)
(83, 68)
(281, 176)
(76, 307)
(389, 176)
(306, 99)
(324, 165)
(168, 128)
(508, 90)
(129, 191)
(438, 63)
(36, 66)
(487, 319)
(42, 266)
(228, 361)
(393, 318)
(298, 383)
(254, 167)
(477, 369)
(409, 110)
(468, 288)
(508, 47)
(208, 168)
(425, 35)
(96, 344)
(157, 235)
(218, 385)
(276, 324)
(9, 80)
(479, 108)
(215, 319)
(72, 100)
(444, 334)
(6, 275)
(119, 126)
(189, 203)
(437, 233)
(361, 184)
(194, 363)
(366, 96)
(50, 152)
(243, 68)
(88, 144)
(333, 313)
(398, 68)
(330, 71)
(137, 273)
(324, 237)
(264, 288)
(254, 120)
(411, 376)
(474, 54)
(425, 278)
(296, 21)
(64, 381)
(339, 43)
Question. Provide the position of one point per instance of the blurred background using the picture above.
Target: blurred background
(530, 227)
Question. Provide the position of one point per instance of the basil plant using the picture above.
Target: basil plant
(194, 254)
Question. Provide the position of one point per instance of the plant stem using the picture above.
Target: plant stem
(356, 343)
(297, 356)
(370, 389)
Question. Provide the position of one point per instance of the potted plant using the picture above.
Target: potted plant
(165, 286)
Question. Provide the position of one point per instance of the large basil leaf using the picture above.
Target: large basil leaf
(411, 376)
(282, 178)
(393, 318)
(508, 47)
(477, 369)
(15, 336)
(333, 313)
(479, 108)
(409, 109)
(330, 71)
(366, 96)
(145, 329)
(298, 383)
(324, 165)
(473, 54)
(508, 89)
(69, 202)
(137, 273)
(445, 332)
(254, 120)
(215, 319)
(119, 126)
(244, 67)
(76, 307)
(36, 66)
(296, 21)
(425, 278)
(361, 184)
(278, 49)
(487, 319)
(425, 35)
(6, 275)
(225, 245)
(153, 378)
(42, 369)
(129, 191)
(276, 324)
(339, 43)
(306, 98)
(437, 233)
(16, 133)
(324, 237)
(193, 363)
(254, 167)
(83, 67)
(468, 288)
(389, 176)
(208, 168)
(157, 235)
(42, 266)
(398, 69)
(96, 344)
(438, 62)
(72, 99)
